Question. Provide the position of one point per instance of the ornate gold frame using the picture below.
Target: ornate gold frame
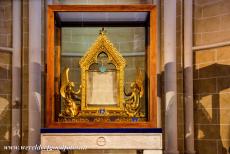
(102, 43)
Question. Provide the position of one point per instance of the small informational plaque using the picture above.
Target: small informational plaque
(102, 88)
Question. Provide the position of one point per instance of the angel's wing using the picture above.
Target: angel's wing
(139, 81)
(64, 82)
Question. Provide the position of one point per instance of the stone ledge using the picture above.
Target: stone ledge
(104, 140)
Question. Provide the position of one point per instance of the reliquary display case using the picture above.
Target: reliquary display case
(101, 66)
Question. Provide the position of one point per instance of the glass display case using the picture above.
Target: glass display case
(101, 66)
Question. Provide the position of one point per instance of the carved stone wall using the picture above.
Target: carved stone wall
(212, 77)
(211, 69)
(5, 73)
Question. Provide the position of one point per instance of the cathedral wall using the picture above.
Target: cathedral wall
(5, 72)
(212, 77)
(211, 69)
(25, 70)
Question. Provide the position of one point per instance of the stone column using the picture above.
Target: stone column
(188, 77)
(34, 73)
(170, 77)
(16, 76)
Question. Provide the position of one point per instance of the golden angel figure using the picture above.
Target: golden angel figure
(70, 96)
(132, 103)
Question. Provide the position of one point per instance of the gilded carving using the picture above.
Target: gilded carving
(69, 95)
(132, 102)
(103, 45)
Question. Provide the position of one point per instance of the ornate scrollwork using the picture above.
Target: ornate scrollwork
(102, 45)
(132, 103)
(70, 96)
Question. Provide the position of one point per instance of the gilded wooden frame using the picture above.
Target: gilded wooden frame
(151, 66)
(90, 58)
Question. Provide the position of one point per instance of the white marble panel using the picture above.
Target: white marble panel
(104, 141)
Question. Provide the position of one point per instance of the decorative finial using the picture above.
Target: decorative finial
(102, 31)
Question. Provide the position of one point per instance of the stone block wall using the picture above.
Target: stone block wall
(5, 99)
(5, 74)
(5, 23)
(180, 78)
(211, 68)
(25, 70)
(212, 77)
